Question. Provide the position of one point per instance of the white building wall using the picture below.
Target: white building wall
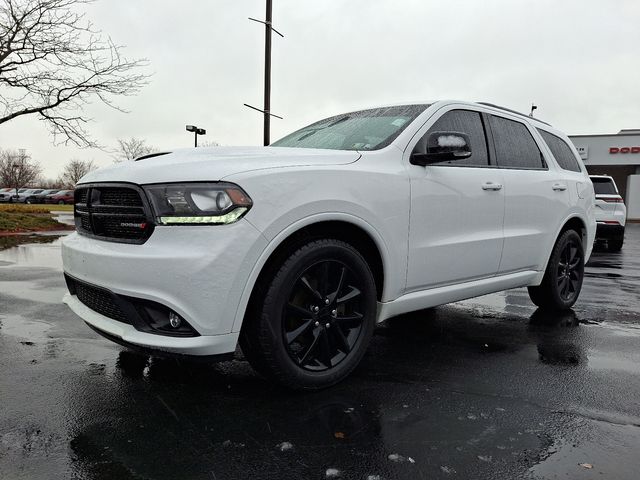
(633, 197)
(615, 150)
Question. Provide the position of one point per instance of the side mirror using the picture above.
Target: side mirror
(443, 146)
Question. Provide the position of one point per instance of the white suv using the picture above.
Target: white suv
(611, 213)
(296, 250)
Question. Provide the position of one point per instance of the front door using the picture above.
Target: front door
(457, 210)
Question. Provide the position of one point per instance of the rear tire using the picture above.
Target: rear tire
(563, 277)
(614, 244)
(313, 317)
(61, 202)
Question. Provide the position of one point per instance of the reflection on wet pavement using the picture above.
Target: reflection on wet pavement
(485, 388)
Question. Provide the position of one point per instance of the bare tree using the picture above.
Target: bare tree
(129, 149)
(209, 143)
(50, 183)
(53, 63)
(17, 169)
(74, 171)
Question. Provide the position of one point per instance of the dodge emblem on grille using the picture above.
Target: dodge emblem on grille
(133, 225)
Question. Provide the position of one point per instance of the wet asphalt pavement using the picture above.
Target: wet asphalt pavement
(486, 388)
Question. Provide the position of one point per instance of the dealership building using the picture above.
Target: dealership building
(617, 155)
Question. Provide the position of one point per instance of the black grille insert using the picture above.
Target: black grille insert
(144, 315)
(113, 212)
(97, 299)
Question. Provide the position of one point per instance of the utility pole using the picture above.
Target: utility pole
(267, 73)
(266, 111)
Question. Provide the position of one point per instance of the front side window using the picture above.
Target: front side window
(364, 130)
(514, 144)
(561, 151)
(462, 121)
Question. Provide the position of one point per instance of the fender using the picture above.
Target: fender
(294, 227)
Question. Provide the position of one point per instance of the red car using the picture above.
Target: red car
(61, 198)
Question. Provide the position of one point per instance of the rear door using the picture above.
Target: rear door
(457, 208)
(537, 195)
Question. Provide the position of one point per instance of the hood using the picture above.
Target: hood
(215, 163)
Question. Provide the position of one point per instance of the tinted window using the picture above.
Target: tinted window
(463, 121)
(561, 151)
(604, 186)
(515, 147)
(365, 130)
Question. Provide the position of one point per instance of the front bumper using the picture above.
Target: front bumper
(199, 272)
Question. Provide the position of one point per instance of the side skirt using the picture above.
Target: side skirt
(454, 293)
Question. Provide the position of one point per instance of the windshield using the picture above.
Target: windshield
(364, 130)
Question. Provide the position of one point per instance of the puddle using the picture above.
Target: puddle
(31, 291)
(21, 327)
(32, 251)
(63, 217)
(609, 451)
(606, 362)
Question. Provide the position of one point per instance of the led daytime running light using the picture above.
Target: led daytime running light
(230, 217)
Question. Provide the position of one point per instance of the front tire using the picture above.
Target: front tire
(314, 317)
(563, 277)
(61, 202)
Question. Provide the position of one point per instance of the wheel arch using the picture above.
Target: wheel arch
(347, 228)
(573, 222)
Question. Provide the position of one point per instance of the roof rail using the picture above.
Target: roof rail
(512, 111)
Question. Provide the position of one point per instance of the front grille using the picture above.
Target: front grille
(97, 299)
(113, 212)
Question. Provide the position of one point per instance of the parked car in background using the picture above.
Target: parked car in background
(298, 249)
(61, 198)
(23, 194)
(611, 212)
(9, 195)
(6, 193)
(39, 197)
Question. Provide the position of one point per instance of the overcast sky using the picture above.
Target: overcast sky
(576, 59)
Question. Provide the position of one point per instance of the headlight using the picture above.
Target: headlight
(198, 203)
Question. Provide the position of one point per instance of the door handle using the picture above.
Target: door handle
(559, 187)
(491, 186)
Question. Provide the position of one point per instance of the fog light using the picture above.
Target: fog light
(174, 320)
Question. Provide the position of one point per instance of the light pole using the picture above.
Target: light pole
(14, 171)
(196, 131)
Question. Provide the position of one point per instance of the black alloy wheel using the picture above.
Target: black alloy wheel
(322, 319)
(569, 271)
(311, 316)
(563, 277)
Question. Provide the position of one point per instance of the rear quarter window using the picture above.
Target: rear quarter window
(561, 151)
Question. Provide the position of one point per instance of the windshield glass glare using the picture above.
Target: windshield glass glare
(364, 130)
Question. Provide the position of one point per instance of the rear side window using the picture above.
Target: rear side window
(463, 121)
(604, 186)
(515, 147)
(561, 151)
